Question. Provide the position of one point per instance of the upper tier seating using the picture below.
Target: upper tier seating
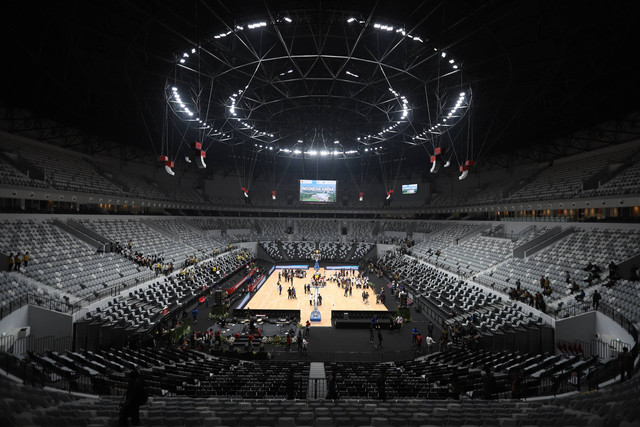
(564, 181)
(491, 192)
(134, 185)
(63, 170)
(317, 230)
(628, 182)
(426, 227)
(361, 230)
(236, 223)
(11, 176)
(206, 223)
(177, 194)
(272, 229)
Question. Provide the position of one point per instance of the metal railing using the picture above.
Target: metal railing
(597, 348)
(115, 290)
(44, 376)
(317, 388)
(345, 356)
(604, 308)
(68, 307)
(40, 301)
(32, 344)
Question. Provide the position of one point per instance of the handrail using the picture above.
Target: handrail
(604, 308)
(40, 301)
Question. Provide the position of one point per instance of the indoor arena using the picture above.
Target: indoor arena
(320, 214)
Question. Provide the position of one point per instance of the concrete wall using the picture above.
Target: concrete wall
(589, 326)
(45, 322)
(382, 249)
(252, 247)
(17, 319)
(607, 329)
(581, 327)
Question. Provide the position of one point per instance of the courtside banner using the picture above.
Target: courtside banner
(295, 267)
(342, 267)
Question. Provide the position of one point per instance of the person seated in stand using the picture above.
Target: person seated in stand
(589, 278)
(526, 297)
(580, 296)
(574, 287)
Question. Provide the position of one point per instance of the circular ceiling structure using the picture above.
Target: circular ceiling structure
(309, 83)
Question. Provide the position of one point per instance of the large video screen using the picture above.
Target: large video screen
(317, 191)
(409, 188)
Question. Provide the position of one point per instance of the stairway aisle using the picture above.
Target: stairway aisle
(317, 381)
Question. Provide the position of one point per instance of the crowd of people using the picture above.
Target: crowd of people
(534, 300)
(155, 262)
(17, 262)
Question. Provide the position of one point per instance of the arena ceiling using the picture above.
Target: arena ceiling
(334, 79)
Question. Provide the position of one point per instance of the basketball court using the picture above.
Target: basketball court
(268, 298)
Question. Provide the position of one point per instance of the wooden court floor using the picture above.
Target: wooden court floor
(332, 298)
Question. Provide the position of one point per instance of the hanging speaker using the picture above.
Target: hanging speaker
(199, 158)
(435, 164)
(168, 168)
